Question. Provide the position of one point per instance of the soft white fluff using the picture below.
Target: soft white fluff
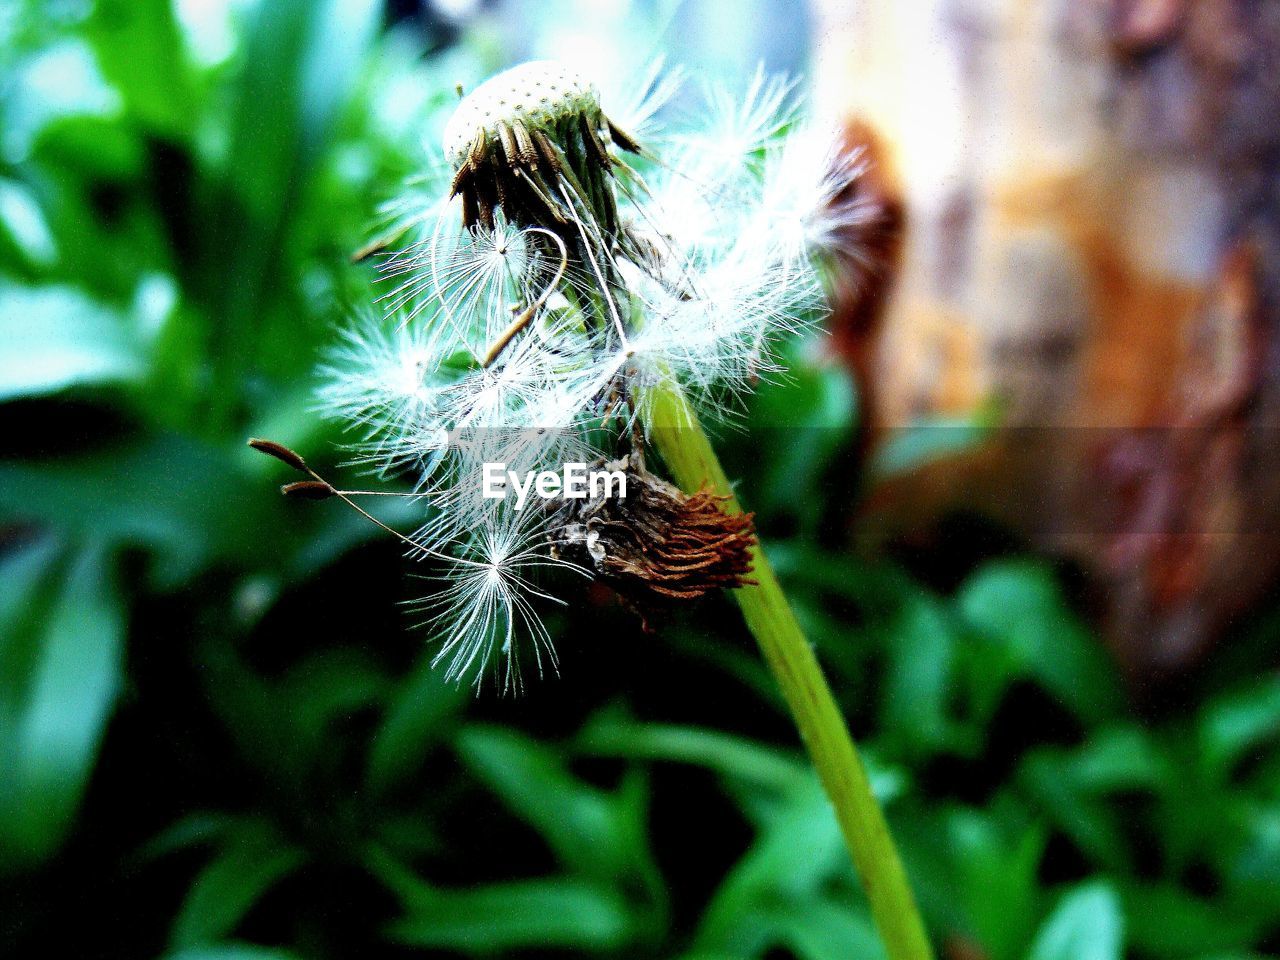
(715, 263)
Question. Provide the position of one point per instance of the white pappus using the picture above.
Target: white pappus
(564, 264)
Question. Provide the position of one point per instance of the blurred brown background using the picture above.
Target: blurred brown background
(1081, 207)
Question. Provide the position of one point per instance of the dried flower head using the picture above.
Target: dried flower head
(567, 267)
(656, 544)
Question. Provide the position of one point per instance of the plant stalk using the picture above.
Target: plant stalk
(688, 453)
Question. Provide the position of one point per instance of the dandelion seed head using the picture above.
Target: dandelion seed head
(538, 93)
(541, 301)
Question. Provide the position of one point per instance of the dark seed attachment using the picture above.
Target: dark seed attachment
(308, 490)
(280, 452)
(656, 544)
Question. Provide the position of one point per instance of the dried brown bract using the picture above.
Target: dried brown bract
(656, 544)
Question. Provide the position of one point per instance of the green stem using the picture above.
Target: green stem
(689, 455)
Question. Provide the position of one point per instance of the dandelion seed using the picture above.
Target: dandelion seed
(384, 379)
(487, 606)
(635, 103)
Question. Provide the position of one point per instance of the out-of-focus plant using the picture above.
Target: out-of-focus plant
(171, 233)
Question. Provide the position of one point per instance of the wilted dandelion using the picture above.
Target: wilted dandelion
(567, 268)
(575, 291)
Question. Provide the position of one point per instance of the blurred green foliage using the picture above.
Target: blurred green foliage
(218, 738)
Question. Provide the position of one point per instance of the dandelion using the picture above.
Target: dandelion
(576, 263)
(573, 265)
(587, 285)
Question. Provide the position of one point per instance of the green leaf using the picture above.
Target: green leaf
(191, 505)
(1017, 606)
(421, 712)
(1087, 924)
(543, 913)
(975, 873)
(56, 337)
(301, 63)
(140, 51)
(764, 768)
(913, 626)
(920, 641)
(1000, 887)
(25, 569)
(59, 81)
(555, 912)
(341, 35)
(1252, 868)
(725, 753)
(61, 663)
(823, 930)
(796, 852)
(597, 833)
(24, 224)
(1072, 787)
(1120, 758)
(171, 495)
(797, 426)
(930, 440)
(326, 687)
(252, 861)
(194, 830)
(1232, 726)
